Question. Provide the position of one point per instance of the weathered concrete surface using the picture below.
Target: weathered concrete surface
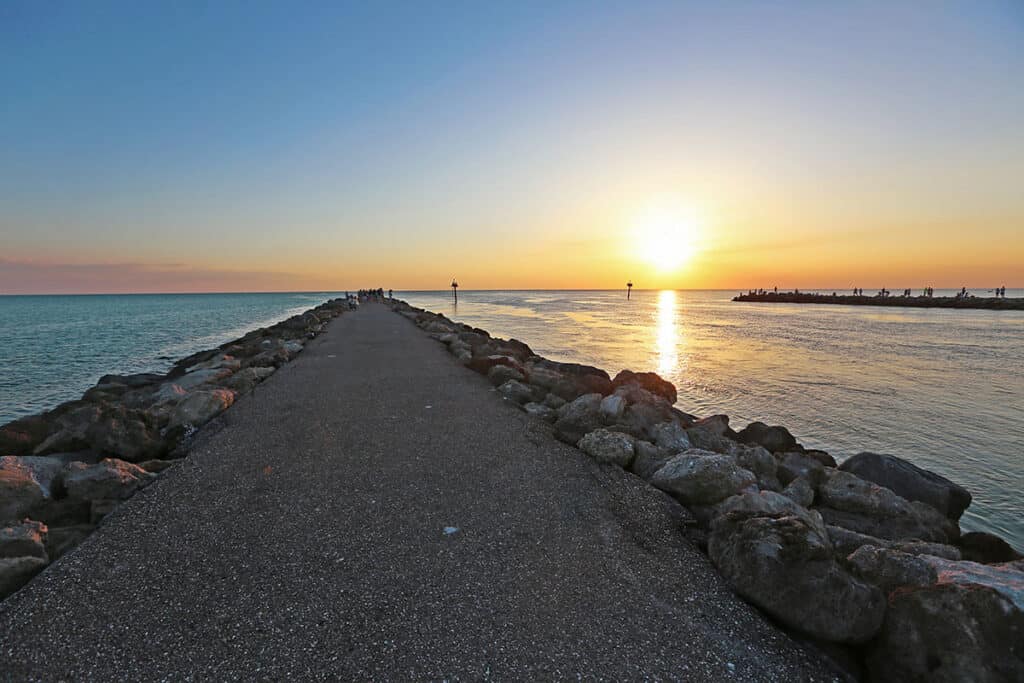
(304, 538)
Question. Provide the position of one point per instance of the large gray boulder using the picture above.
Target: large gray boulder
(671, 435)
(909, 481)
(891, 569)
(109, 479)
(758, 460)
(648, 381)
(967, 626)
(200, 407)
(709, 440)
(517, 392)
(246, 380)
(649, 459)
(794, 464)
(987, 548)
(848, 501)
(784, 564)
(846, 542)
(697, 477)
(578, 417)
(609, 447)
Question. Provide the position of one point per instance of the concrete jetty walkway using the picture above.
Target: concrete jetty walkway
(375, 511)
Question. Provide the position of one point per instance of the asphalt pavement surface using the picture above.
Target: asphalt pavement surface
(375, 511)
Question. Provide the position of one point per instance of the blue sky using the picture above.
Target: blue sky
(322, 143)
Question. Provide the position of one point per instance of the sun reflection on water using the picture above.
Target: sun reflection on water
(667, 334)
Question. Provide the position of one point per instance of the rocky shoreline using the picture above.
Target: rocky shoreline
(865, 559)
(988, 303)
(62, 471)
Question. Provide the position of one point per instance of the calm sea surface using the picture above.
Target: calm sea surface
(942, 388)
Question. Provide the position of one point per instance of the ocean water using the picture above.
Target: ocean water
(942, 388)
(53, 348)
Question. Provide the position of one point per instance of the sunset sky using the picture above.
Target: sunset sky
(326, 146)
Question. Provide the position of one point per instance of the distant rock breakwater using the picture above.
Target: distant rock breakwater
(865, 558)
(988, 303)
(63, 470)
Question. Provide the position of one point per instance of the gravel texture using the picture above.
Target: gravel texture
(375, 511)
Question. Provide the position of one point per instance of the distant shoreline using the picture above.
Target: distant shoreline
(986, 303)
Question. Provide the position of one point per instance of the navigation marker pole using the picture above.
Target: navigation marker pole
(629, 288)
(455, 290)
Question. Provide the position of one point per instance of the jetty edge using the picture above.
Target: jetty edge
(62, 471)
(969, 302)
(865, 558)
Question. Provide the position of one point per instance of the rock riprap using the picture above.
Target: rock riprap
(866, 557)
(62, 471)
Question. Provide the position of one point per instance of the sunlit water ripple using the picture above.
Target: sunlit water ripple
(942, 388)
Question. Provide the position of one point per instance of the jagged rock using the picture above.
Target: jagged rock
(612, 407)
(775, 439)
(784, 565)
(245, 380)
(770, 504)
(109, 479)
(577, 380)
(578, 417)
(25, 482)
(986, 548)
(110, 428)
(671, 436)
(762, 463)
(891, 569)
(715, 424)
(198, 378)
(649, 381)
(697, 477)
(168, 393)
(499, 374)
(848, 501)
(967, 626)
(15, 573)
(22, 436)
(791, 465)
(910, 482)
(649, 459)
(609, 447)
(25, 538)
(200, 406)
(800, 492)
(218, 362)
(708, 440)
(846, 542)
(516, 391)
(136, 381)
(540, 410)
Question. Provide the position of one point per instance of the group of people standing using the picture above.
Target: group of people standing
(365, 295)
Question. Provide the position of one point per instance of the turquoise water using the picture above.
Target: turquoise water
(942, 388)
(53, 348)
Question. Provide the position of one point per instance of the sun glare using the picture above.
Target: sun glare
(667, 240)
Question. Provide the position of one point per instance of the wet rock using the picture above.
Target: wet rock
(23, 539)
(200, 407)
(890, 569)
(649, 459)
(499, 374)
(649, 381)
(671, 436)
(15, 573)
(785, 566)
(696, 477)
(517, 392)
(609, 447)
(910, 482)
(986, 548)
(613, 407)
(848, 501)
(577, 418)
(109, 479)
(800, 492)
(22, 436)
(541, 411)
(846, 542)
(775, 439)
(967, 626)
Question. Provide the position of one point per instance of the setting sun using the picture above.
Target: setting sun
(667, 239)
